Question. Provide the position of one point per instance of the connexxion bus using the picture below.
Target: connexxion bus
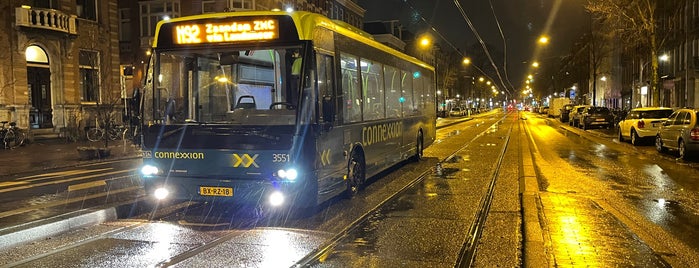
(276, 108)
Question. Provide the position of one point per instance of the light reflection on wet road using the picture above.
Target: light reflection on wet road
(578, 169)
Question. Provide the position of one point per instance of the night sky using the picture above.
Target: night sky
(522, 22)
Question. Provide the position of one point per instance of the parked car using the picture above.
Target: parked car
(642, 123)
(574, 116)
(594, 116)
(679, 132)
(457, 111)
(565, 112)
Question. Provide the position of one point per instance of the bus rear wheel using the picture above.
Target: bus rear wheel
(355, 175)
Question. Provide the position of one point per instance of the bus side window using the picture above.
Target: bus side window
(325, 88)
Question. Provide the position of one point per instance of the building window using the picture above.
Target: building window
(241, 4)
(124, 25)
(45, 4)
(208, 6)
(153, 11)
(89, 75)
(86, 9)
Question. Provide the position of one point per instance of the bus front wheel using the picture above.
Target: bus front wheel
(355, 175)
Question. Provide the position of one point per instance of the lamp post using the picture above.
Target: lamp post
(642, 87)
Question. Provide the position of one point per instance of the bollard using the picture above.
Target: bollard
(438, 169)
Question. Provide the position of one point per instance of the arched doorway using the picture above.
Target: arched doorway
(39, 87)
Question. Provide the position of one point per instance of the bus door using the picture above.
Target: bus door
(329, 145)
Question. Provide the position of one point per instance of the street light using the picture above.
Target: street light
(543, 40)
(425, 41)
(467, 61)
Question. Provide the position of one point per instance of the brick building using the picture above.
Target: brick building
(61, 60)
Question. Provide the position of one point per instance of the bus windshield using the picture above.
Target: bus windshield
(225, 86)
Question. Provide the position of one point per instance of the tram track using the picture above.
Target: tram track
(318, 252)
(467, 252)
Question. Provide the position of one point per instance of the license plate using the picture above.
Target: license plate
(216, 191)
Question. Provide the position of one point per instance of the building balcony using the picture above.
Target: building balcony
(48, 19)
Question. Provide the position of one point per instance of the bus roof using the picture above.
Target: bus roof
(305, 23)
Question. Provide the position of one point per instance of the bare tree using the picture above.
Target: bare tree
(599, 47)
(100, 82)
(636, 22)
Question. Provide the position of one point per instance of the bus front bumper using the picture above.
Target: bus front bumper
(243, 192)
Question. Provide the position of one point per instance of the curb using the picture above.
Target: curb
(534, 245)
(41, 229)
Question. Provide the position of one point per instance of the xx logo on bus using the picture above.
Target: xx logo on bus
(244, 160)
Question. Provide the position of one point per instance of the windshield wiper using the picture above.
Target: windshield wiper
(173, 132)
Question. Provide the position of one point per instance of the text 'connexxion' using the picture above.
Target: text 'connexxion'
(381, 132)
(179, 155)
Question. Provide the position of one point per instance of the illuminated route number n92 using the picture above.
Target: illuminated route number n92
(188, 34)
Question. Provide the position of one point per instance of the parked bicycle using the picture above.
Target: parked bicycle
(12, 136)
(114, 132)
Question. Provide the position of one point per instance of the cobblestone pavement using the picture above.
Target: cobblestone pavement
(580, 233)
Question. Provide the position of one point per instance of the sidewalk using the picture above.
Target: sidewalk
(56, 153)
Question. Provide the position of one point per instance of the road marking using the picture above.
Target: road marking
(86, 185)
(65, 202)
(12, 183)
(60, 174)
(65, 180)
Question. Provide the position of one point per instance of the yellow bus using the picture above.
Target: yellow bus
(277, 109)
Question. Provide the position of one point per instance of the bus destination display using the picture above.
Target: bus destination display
(263, 29)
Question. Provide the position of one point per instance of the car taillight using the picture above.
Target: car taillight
(641, 124)
(694, 134)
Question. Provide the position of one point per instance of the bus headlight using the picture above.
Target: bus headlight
(149, 170)
(276, 199)
(288, 174)
(161, 193)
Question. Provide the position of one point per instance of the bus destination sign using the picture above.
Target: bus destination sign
(248, 30)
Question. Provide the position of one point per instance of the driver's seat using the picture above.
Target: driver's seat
(246, 105)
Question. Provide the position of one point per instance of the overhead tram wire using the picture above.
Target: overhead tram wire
(504, 43)
(450, 44)
(480, 40)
